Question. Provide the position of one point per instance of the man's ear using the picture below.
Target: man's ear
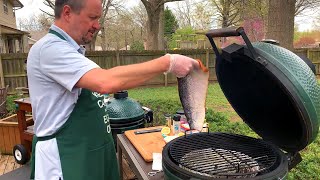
(66, 12)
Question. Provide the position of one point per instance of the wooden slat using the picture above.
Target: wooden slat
(12, 138)
(1, 140)
(0, 164)
(1, 74)
(127, 172)
(6, 139)
(10, 68)
(5, 66)
(17, 135)
(124, 175)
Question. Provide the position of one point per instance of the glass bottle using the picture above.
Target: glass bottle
(176, 124)
(168, 120)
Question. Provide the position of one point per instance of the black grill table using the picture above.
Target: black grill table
(137, 163)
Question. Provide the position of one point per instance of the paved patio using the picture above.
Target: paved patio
(8, 164)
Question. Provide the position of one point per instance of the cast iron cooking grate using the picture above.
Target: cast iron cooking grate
(222, 155)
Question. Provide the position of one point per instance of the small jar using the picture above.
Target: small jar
(183, 118)
(183, 121)
(176, 124)
(205, 127)
(168, 120)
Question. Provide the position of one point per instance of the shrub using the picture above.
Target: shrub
(137, 46)
(11, 106)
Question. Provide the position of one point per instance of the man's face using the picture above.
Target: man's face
(86, 23)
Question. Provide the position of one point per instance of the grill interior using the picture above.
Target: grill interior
(221, 155)
(220, 163)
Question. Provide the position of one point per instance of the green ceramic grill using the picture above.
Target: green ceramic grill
(275, 92)
(122, 109)
(126, 113)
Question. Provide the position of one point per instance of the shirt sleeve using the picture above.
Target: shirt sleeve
(63, 63)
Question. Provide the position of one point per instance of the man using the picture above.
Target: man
(71, 141)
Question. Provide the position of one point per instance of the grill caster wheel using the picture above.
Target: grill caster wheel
(20, 154)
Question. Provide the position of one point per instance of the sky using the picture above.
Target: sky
(32, 7)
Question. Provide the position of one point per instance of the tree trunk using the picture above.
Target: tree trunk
(154, 8)
(281, 22)
(161, 29)
(91, 46)
(103, 39)
(153, 30)
(225, 14)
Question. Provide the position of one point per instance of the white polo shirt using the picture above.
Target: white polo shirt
(54, 66)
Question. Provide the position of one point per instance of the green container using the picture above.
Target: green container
(122, 109)
(124, 114)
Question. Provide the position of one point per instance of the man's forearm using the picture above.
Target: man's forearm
(123, 77)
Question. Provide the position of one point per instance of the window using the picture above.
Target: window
(5, 6)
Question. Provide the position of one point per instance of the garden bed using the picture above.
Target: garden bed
(9, 133)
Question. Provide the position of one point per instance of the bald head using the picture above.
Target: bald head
(75, 5)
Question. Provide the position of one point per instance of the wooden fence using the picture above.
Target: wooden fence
(13, 73)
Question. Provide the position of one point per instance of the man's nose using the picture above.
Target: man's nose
(97, 26)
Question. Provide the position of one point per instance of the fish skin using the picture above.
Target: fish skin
(192, 93)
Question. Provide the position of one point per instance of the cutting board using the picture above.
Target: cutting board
(147, 143)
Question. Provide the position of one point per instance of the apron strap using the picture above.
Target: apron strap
(63, 38)
(57, 34)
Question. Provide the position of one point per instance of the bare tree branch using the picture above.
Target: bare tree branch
(302, 5)
(165, 1)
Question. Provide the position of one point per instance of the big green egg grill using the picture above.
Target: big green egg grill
(276, 94)
(126, 113)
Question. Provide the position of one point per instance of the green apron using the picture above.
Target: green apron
(85, 142)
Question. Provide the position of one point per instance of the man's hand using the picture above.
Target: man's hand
(181, 65)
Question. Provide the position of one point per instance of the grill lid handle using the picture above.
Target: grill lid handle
(225, 32)
(232, 31)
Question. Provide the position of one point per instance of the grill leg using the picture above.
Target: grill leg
(120, 160)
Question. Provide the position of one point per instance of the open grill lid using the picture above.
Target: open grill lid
(272, 89)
